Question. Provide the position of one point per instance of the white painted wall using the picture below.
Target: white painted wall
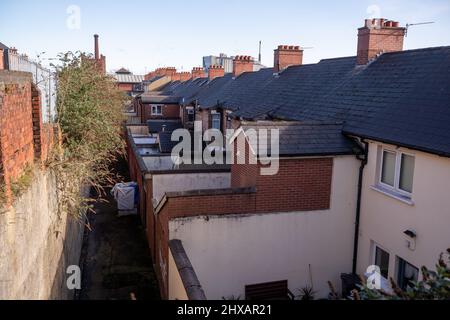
(189, 181)
(384, 219)
(176, 287)
(229, 252)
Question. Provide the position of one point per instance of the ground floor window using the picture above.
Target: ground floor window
(406, 273)
(382, 261)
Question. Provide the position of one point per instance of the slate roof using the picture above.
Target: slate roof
(237, 93)
(401, 98)
(165, 142)
(156, 126)
(297, 88)
(303, 138)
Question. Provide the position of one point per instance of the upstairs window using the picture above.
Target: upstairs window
(397, 171)
(215, 121)
(156, 110)
(190, 115)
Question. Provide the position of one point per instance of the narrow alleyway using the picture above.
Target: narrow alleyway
(116, 259)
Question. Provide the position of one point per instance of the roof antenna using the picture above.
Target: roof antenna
(415, 24)
(259, 56)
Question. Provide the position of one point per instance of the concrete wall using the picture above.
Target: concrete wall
(384, 219)
(229, 252)
(176, 286)
(37, 244)
(189, 181)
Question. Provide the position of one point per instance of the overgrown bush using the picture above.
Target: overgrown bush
(435, 285)
(90, 115)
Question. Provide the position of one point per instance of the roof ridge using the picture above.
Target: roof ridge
(416, 50)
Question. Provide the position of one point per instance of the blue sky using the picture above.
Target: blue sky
(143, 35)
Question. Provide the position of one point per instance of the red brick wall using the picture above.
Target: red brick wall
(23, 136)
(16, 128)
(169, 111)
(125, 86)
(150, 217)
(243, 175)
(300, 185)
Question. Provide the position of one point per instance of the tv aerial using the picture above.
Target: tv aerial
(408, 25)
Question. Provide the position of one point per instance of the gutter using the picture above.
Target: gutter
(403, 145)
(363, 159)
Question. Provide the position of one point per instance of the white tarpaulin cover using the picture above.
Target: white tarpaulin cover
(124, 193)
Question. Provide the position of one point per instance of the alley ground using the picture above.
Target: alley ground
(116, 259)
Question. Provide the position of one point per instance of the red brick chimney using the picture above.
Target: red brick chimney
(216, 72)
(242, 64)
(185, 76)
(96, 51)
(286, 56)
(198, 72)
(378, 36)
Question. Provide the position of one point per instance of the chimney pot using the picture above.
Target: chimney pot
(242, 64)
(378, 36)
(286, 56)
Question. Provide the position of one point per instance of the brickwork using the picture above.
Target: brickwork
(216, 72)
(242, 64)
(169, 111)
(198, 72)
(286, 56)
(24, 139)
(377, 36)
(16, 125)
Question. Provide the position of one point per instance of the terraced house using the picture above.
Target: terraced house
(363, 172)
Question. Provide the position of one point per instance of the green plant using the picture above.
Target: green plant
(306, 293)
(23, 182)
(90, 115)
(435, 285)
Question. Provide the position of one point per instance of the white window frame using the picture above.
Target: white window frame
(215, 113)
(156, 107)
(398, 163)
(375, 245)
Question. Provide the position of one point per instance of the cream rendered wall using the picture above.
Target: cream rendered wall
(176, 286)
(229, 252)
(384, 219)
(189, 181)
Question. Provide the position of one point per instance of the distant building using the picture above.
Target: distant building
(128, 82)
(226, 62)
(221, 60)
